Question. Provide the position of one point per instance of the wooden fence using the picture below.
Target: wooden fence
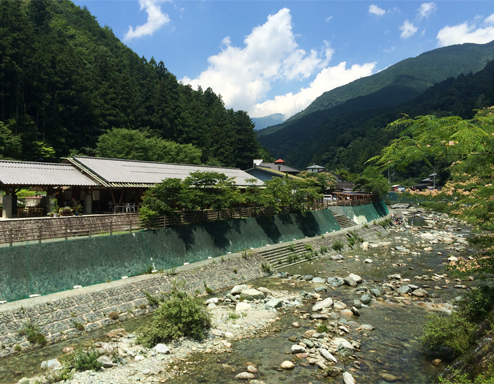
(42, 229)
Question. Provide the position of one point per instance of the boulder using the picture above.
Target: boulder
(320, 289)
(339, 305)
(213, 300)
(266, 291)
(396, 276)
(318, 280)
(162, 348)
(344, 347)
(237, 290)
(335, 281)
(420, 292)
(348, 378)
(297, 349)
(51, 364)
(244, 376)
(274, 303)
(357, 303)
(323, 304)
(376, 292)
(287, 365)
(365, 299)
(352, 280)
(252, 294)
(307, 277)
(328, 356)
(355, 311)
(105, 361)
(404, 290)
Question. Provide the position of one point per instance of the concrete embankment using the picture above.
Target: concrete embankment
(59, 314)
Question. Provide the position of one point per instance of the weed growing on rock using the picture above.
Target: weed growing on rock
(17, 348)
(266, 267)
(322, 328)
(152, 299)
(81, 360)
(113, 315)
(149, 270)
(291, 247)
(209, 291)
(308, 247)
(33, 334)
(181, 315)
(235, 270)
(324, 249)
(143, 306)
(337, 245)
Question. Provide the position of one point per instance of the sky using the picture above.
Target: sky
(268, 57)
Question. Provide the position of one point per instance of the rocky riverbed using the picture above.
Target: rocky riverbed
(350, 317)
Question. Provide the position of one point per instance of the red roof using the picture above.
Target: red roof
(279, 161)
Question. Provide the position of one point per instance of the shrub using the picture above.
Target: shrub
(82, 360)
(33, 334)
(149, 270)
(209, 291)
(322, 329)
(182, 315)
(323, 249)
(477, 303)
(308, 247)
(289, 259)
(453, 332)
(152, 299)
(337, 245)
(17, 348)
(113, 315)
(266, 267)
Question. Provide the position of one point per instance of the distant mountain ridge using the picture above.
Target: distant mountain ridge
(352, 132)
(266, 121)
(418, 73)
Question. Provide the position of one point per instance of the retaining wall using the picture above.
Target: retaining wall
(60, 265)
(366, 213)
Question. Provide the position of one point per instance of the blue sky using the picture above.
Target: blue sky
(277, 56)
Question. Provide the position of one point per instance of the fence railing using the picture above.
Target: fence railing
(42, 229)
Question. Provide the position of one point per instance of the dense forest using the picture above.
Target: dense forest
(347, 135)
(65, 81)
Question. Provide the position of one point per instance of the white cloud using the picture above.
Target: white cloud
(375, 10)
(490, 19)
(156, 19)
(466, 32)
(243, 76)
(328, 18)
(408, 29)
(326, 80)
(426, 9)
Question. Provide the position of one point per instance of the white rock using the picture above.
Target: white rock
(348, 378)
(326, 303)
(287, 365)
(242, 307)
(297, 349)
(238, 289)
(328, 356)
(162, 348)
(213, 300)
(51, 364)
(244, 376)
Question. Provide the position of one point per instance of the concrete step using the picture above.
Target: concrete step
(344, 221)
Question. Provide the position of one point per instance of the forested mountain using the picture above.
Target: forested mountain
(417, 74)
(64, 81)
(349, 134)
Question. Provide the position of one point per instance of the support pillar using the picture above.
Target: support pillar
(88, 203)
(9, 203)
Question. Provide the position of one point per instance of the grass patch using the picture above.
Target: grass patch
(337, 245)
(33, 334)
(322, 329)
(266, 267)
(181, 315)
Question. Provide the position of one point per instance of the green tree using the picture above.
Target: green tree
(372, 181)
(10, 144)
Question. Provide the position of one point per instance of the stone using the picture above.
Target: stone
(404, 290)
(266, 291)
(366, 327)
(162, 348)
(307, 277)
(297, 349)
(68, 350)
(365, 245)
(251, 369)
(337, 257)
(355, 311)
(319, 316)
(244, 376)
(318, 280)
(436, 362)
(105, 361)
(389, 377)
(320, 289)
(309, 343)
(346, 312)
(344, 347)
(365, 299)
(335, 281)
(213, 300)
(287, 365)
(138, 358)
(326, 303)
(242, 307)
(357, 303)
(211, 306)
(376, 292)
(237, 290)
(348, 378)
(51, 364)
(296, 325)
(352, 280)
(328, 356)
(116, 332)
(252, 294)
(396, 276)
(274, 303)
(367, 261)
(400, 206)
(339, 305)
(420, 292)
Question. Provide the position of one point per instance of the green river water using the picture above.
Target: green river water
(393, 347)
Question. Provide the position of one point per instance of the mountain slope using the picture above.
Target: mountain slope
(418, 73)
(345, 136)
(64, 81)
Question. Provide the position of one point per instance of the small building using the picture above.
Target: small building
(268, 171)
(315, 168)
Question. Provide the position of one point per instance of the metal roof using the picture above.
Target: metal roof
(23, 173)
(273, 172)
(282, 167)
(314, 166)
(135, 173)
